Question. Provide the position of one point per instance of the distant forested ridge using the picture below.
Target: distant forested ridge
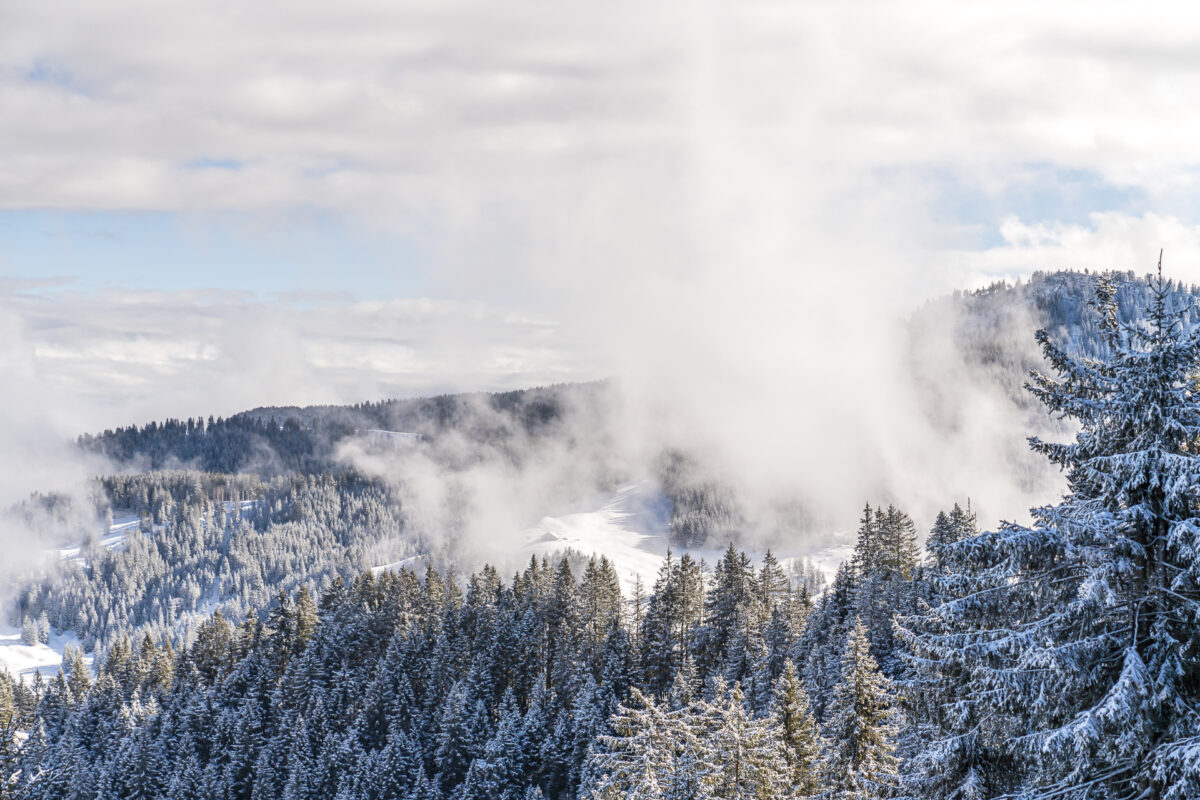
(278, 440)
(992, 326)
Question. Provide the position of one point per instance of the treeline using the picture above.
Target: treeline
(1056, 660)
(273, 441)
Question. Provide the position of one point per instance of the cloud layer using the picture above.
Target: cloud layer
(388, 108)
(732, 205)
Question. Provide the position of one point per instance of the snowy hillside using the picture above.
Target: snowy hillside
(114, 540)
(22, 661)
(631, 528)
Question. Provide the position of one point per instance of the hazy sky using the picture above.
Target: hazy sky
(208, 206)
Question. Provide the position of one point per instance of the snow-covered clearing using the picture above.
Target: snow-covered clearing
(839, 549)
(22, 661)
(412, 563)
(631, 528)
(114, 540)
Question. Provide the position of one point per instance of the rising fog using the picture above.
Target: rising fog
(732, 210)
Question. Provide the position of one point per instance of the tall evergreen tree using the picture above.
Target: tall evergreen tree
(1083, 630)
(649, 755)
(954, 753)
(803, 745)
(742, 756)
(862, 726)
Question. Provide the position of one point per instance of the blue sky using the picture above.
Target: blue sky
(294, 252)
(262, 254)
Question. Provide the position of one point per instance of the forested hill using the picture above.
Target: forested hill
(992, 329)
(982, 339)
(1056, 661)
(1060, 303)
(281, 439)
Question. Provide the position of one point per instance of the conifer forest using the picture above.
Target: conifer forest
(240, 644)
(623, 400)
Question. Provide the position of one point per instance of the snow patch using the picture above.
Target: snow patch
(630, 527)
(114, 540)
(22, 660)
(412, 563)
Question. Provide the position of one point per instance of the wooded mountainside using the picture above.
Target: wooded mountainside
(1055, 660)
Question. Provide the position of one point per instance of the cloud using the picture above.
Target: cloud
(389, 109)
(114, 358)
(36, 429)
(687, 195)
(1110, 240)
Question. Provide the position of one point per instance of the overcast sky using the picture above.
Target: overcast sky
(210, 206)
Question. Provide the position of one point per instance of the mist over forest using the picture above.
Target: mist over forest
(661, 584)
(706, 400)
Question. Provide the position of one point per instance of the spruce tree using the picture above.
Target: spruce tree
(954, 753)
(652, 753)
(742, 757)
(862, 726)
(803, 745)
(1083, 630)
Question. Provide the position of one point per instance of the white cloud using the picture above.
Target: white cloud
(118, 358)
(686, 193)
(1110, 240)
(386, 107)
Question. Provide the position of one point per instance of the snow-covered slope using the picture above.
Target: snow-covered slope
(22, 661)
(631, 528)
(113, 540)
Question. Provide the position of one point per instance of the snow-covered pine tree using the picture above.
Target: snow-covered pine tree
(818, 653)
(600, 598)
(803, 745)
(863, 765)
(672, 616)
(649, 756)
(725, 614)
(952, 753)
(499, 772)
(885, 581)
(947, 529)
(742, 756)
(1084, 629)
